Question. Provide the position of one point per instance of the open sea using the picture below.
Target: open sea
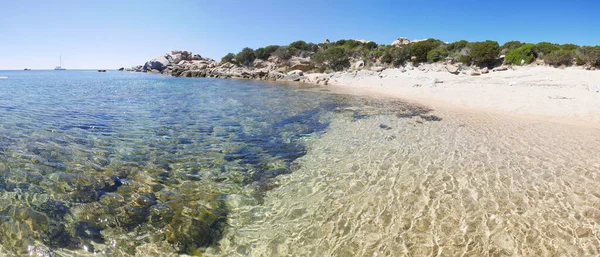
(132, 164)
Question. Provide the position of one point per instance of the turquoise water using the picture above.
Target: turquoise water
(104, 162)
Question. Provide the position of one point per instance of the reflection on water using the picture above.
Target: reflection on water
(464, 186)
(124, 164)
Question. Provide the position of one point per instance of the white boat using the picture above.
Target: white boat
(60, 66)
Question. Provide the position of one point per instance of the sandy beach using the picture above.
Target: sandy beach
(563, 95)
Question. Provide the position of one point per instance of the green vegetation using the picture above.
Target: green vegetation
(457, 46)
(396, 55)
(560, 57)
(484, 53)
(230, 57)
(437, 54)
(544, 48)
(245, 57)
(333, 58)
(421, 49)
(588, 55)
(339, 54)
(510, 45)
(521, 55)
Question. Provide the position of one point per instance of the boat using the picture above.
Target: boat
(60, 66)
(27, 69)
(101, 70)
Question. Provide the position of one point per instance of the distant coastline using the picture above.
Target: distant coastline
(544, 79)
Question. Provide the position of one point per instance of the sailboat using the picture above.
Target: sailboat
(60, 66)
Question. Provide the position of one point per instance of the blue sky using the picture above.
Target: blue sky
(110, 34)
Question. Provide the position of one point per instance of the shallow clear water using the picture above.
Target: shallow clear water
(123, 164)
(115, 163)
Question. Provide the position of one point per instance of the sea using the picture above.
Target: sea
(134, 164)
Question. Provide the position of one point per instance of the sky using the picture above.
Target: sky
(109, 34)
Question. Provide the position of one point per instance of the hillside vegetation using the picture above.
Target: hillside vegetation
(342, 54)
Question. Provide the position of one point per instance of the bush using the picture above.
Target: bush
(457, 46)
(340, 42)
(396, 55)
(544, 48)
(230, 57)
(245, 57)
(282, 53)
(421, 48)
(261, 53)
(510, 45)
(484, 53)
(560, 57)
(333, 58)
(371, 45)
(300, 45)
(588, 55)
(569, 47)
(521, 55)
(437, 54)
(271, 48)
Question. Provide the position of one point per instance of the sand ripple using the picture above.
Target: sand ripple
(463, 186)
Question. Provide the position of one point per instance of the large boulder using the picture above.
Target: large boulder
(159, 63)
(401, 41)
(454, 69)
(358, 65)
(299, 63)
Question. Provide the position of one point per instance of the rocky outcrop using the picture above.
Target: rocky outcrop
(159, 63)
(401, 41)
(299, 63)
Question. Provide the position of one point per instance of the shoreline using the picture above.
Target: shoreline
(531, 95)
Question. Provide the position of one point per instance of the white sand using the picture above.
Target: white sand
(567, 95)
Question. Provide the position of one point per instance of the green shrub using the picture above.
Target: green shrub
(282, 53)
(588, 55)
(340, 42)
(421, 48)
(437, 54)
(261, 53)
(544, 48)
(465, 59)
(245, 57)
(484, 53)
(352, 44)
(300, 45)
(560, 57)
(521, 55)
(510, 45)
(333, 58)
(230, 57)
(457, 46)
(396, 55)
(371, 45)
(271, 48)
(569, 47)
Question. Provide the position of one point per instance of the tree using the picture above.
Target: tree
(261, 53)
(333, 58)
(437, 54)
(457, 46)
(230, 57)
(512, 45)
(245, 57)
(484, 53)
(560, 57)
(521, 55)
(421, 48)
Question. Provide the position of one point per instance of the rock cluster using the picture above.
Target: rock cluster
(184, 64)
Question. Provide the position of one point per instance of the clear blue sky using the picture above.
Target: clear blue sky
(110, 34)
